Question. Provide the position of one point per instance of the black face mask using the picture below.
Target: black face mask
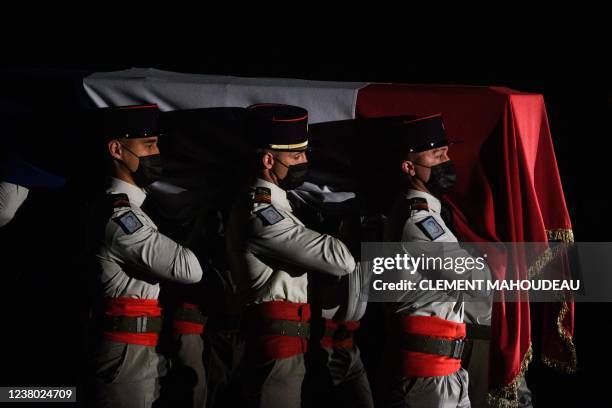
(296, 175)
(149, 169)
(442, 177)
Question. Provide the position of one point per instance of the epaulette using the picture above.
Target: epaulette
(262, 195)
(118, 200)
(417, 204)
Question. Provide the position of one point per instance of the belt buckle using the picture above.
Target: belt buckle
(298, 331)
(141, 324)
(457, 348)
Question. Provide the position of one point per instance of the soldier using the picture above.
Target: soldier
(270, 252)
(131, 257)
(185, 385)
(428, 327)
(335, 373)
(223, 341)
(181, 341)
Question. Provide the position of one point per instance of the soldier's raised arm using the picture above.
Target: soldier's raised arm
(136, 240)
(279, 235)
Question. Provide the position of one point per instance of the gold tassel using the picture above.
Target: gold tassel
(507, 396)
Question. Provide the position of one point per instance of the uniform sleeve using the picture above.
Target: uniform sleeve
(413, 229)
(348, 298)
(414, 232)
(11, 198)
(454, 250)
(289, 242)
(358, 291)
(152, 252)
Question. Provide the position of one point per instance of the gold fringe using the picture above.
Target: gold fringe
(536, 268)
(507, 396)
(555, 235)
(567, 367)
(560, 234)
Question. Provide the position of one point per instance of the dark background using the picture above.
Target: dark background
(42, 277)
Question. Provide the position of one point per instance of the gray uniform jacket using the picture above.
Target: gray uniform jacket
(134, 256)
(428, 226)
(270, 250)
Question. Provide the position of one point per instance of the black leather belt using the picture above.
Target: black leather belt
(129, 324)
(477, 331)
(340, 333)
(278, 327)
(432, 345)
(189, 315)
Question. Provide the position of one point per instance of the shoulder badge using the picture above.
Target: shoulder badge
(118, 200)
(269, 215)
(430, 227)
(417, 204)
(262, 195)
(129, 222)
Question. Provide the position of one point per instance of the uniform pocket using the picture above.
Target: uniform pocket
(138, 363)
(108, 360)
(420, 385)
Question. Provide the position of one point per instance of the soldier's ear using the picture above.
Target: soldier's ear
(408, 168)
(114, 148)
(267, 159)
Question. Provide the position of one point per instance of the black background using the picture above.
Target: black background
(42, 324)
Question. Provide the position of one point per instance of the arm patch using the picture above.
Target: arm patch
(431, 228)
(269, 215)
(129, 222)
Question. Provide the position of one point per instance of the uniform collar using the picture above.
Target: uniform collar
(279, 196)
(432, 202)
(135, 194)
